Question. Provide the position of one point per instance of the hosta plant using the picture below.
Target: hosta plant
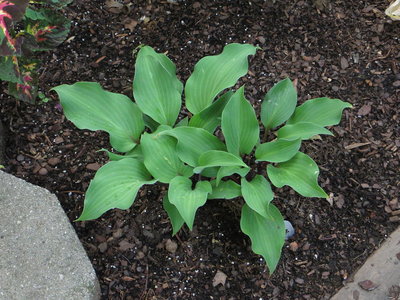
(157, 143)
(27, 27)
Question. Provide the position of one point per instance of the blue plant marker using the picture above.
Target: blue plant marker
(289, 229)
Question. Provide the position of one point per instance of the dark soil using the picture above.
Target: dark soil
(348, 51)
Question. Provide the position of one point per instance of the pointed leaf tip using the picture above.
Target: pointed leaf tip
(213, 74)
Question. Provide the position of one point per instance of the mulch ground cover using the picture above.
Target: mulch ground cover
(346, 49)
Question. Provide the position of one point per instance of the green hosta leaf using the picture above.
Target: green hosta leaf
(216, 158)
(213, 74)
(88, 106)
(115, 185)
(210, 117)
(320, 111)
(267, 234)
(277, 151)
(302, 131)
(173, 214)
(160, 156)
(134, 153)
(257, 194)
(192, 142)
(279, 104)
(156, 89)
(228, 171)
(239, 124)
(300, 173)
(225, 190)
(186, 200)
(183, 122)
(150, 123)
(210, 172)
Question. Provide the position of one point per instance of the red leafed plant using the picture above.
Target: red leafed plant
(40, 28)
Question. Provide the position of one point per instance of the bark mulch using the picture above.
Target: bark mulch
(350, 51)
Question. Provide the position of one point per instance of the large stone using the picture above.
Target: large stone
(2, 142)
(379, 276)
(40, 255)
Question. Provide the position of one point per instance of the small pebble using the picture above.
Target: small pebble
(103, 247)
(58, 140)
(53, 161)
(293, 246)
(43, 171)
(171, 246)
(93, 167)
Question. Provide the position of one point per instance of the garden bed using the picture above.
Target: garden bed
(349, 51)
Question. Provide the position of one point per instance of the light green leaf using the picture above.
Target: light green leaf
(279, 104)
(302, 130)
(134, 153)
(88, 106)
(225, 190)
(277, 151)
(156, 89)
(150, 123)
(183, 122)
(213, 74)
(228, 171)
(173, 214)
(216, 158)
(239, 124)
(186, 200)
(267, 234)
(209, 172)
(210, 117)
(300, 173)
(115, 185)
(160, 156)
(320, 111)
(192, 142)
(257, 194)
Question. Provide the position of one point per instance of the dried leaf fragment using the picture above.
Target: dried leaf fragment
(368, 285)
(219, 278)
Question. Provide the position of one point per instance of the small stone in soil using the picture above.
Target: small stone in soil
(58, 140)
(171, 246)
(299, 280)
(53, 161)
(103, 247)
(43, 171)
(293, 246)
(93, 167)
